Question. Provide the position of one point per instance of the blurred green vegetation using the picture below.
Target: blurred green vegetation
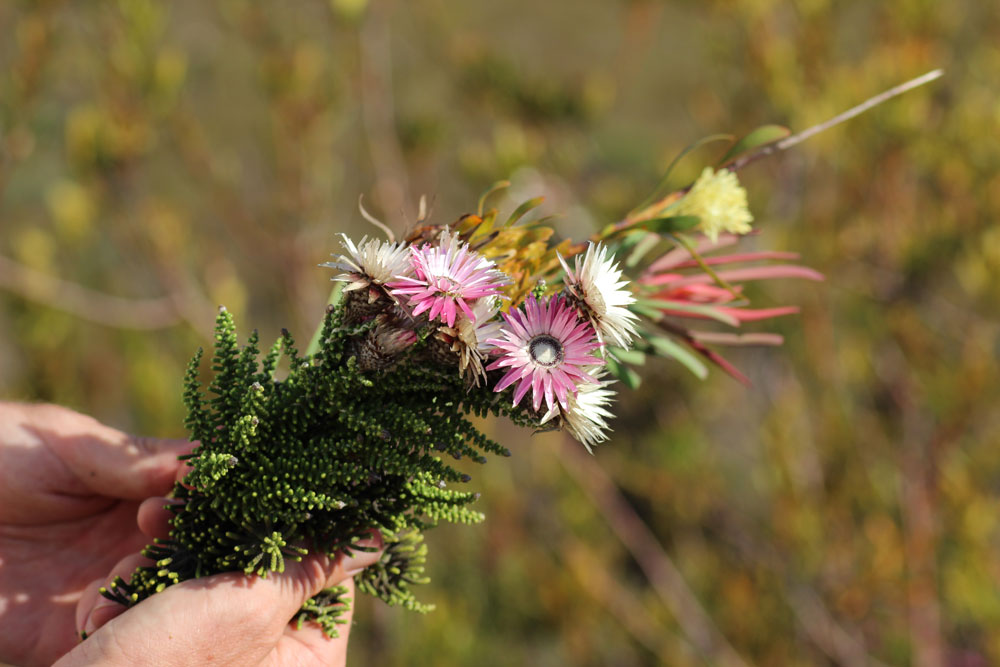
(158, 159)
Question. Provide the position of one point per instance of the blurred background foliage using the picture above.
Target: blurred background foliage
(158, 159)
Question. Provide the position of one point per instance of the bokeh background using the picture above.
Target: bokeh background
(158, 159)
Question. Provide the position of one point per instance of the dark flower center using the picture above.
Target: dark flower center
(545, 350)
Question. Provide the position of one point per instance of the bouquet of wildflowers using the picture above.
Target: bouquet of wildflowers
(313, 451)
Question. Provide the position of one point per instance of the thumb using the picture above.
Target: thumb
(107, 461)
(304, 579)
(236, 619)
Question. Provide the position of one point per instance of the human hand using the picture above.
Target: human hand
(70, 488)
(224, 619)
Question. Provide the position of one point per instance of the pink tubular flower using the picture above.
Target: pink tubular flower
(547, 349)
(447, 277)
(676, 286)
(676, 291)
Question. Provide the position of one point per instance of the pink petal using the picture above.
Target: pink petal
(465, 309)
(522, 389)
(449, 311)
(506, 381)
(421, 307)
(436, 308)
(536, 388)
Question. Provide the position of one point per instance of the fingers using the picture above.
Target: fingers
(91, 594)
(328, 650)
(222, 619)
(315, 572)
(153, 518)
(107, 461)
(284, 593)
(240, 619)
(94, 610)
(182, 470)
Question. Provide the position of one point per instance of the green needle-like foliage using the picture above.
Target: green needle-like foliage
(317, 460)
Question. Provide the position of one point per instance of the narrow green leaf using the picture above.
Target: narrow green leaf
(669, 348)
(763, 135)
(633, 357)
(658, 305)
(646, 311)
(641, 249)
(499, 185)
(630, 239)
(523, 209)
(628, 376)
(670, 224)
(661, 187)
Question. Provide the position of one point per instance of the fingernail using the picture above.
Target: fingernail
(90, 625)
(360, 562)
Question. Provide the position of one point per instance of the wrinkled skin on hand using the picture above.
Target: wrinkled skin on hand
(70, 488)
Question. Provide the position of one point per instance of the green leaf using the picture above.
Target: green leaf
(670, 224)
(666, 175)
(645, 306)
(642, 248)
(522, 210)
(669, 348)
(630, 239)
(499, 185)
(762, 136)
(633, 357)
(628, 376)
(647, 311)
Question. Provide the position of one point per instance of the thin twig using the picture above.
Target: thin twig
(843, 645)
(656, 564)
(769, 149)
(918, 508)
(824, 631)
(799, 137)
(112, 311)
(623, 604)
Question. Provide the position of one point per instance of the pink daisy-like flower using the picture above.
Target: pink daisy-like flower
(446, 278)
(547, 349)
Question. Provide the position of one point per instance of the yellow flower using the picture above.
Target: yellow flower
(720, 201)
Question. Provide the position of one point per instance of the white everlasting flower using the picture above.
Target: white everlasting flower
(595, 287)
(371, 262)
(586, 416)
(720, 201)
(468, 337)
